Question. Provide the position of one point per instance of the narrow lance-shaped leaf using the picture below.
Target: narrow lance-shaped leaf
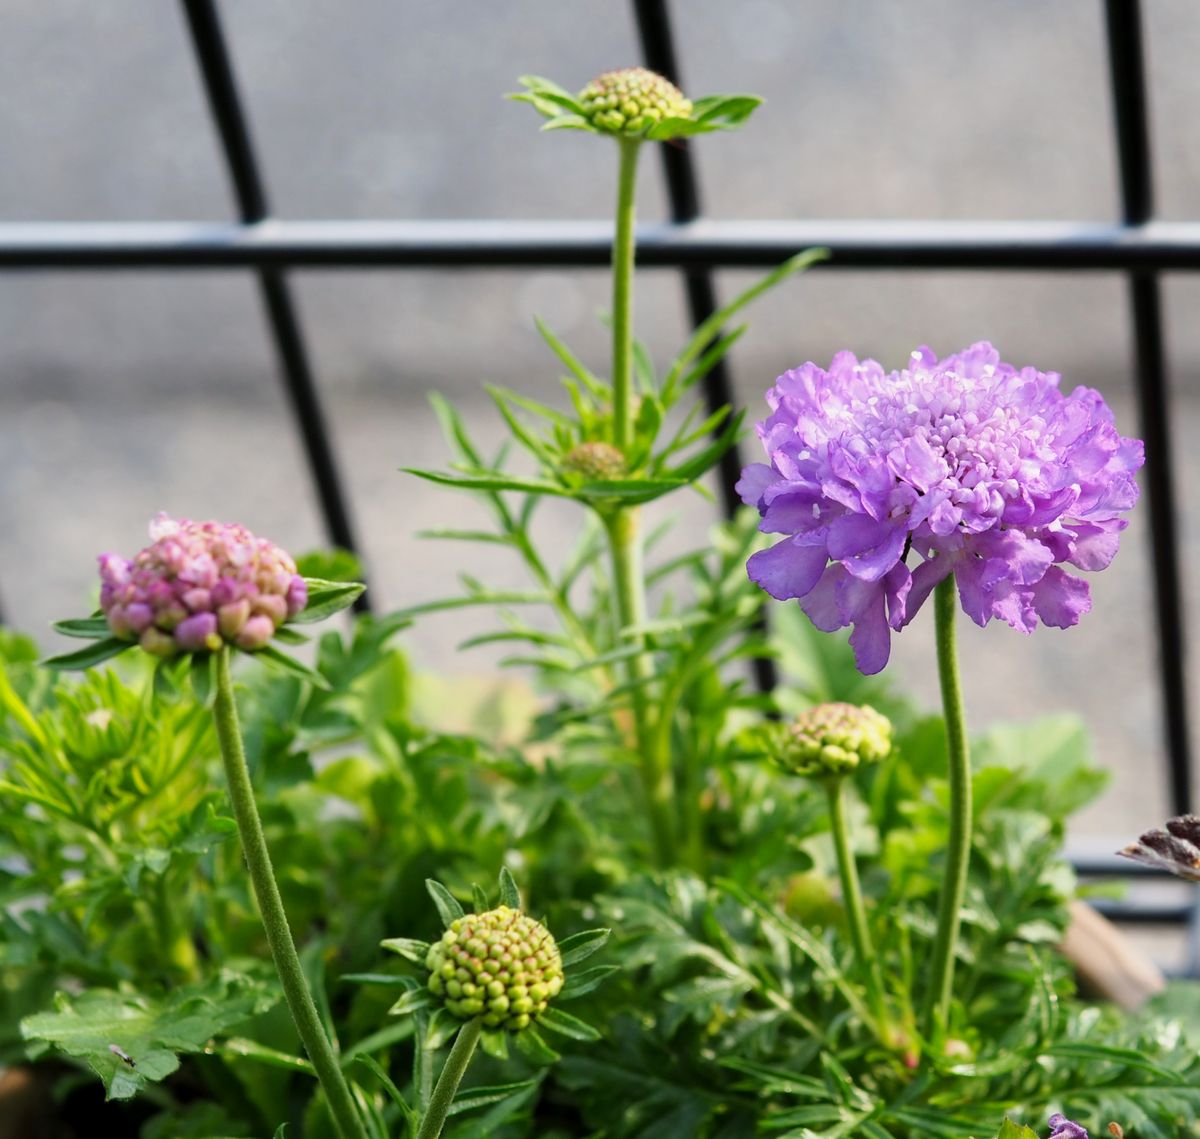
(580, 946)
(509, 894)
(326, 598)
(448, 907)
(89, 656)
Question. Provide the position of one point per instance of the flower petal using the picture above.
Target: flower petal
(788, 569)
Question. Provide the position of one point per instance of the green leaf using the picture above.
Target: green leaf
(290, 636)
(492, 482)
(203, 673)
(93, 654)
(711, 328)
(377, 1070)
(468, 1098)
(272, 656)
(447, 905)
(509, 894)
(89, 628)
(533, 1046)
(1011, 1130)
(629, 492)
(240, 1047)
(584, 981)
(413, 1001)
(408, 947)
(567, 1025)
(101, 1027)
(580, 946)
(326, 598)
(571, 362)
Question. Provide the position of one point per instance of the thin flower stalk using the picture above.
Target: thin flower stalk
(958, 849)
(270, 904)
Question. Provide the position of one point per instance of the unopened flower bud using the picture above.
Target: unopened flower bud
(500, 965)
(630, 101)
(198, 586)
(833, 739)
(595, 461)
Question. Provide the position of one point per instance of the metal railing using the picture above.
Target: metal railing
(1136, 246)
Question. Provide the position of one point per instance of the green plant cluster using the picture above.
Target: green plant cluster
(750, 985)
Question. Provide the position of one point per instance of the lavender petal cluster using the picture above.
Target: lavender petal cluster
(1063, 1128)
(885, 483)
(198, 586)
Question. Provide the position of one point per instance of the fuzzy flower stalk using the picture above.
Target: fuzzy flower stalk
(965, 477)
(632, 106)
(827, 743)
(202, 590)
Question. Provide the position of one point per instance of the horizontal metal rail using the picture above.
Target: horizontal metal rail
(966, 245)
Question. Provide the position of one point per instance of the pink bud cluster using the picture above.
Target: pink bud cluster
(200, 585)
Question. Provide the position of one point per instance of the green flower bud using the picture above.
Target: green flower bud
(511, 997)
(629, 102)
(594, 462)
(833, 739)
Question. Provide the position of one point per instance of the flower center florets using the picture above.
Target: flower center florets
(200, 585)
(632, 100)
(500, 965)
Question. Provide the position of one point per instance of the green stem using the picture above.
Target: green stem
(456, 1066)
(856, 912)
(622, 294)
(630, 589)
(270, 905)
(954, 881)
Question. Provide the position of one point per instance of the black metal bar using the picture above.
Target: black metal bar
(295, 368)
(925, 245)
(1137, 202)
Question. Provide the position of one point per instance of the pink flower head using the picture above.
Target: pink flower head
(885, 483)
(200, 585)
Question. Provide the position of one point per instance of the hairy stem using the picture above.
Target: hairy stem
(954, 881)
(856, 912)
(622, 295)
(270, 905)
(456, 1066)
(625, 541)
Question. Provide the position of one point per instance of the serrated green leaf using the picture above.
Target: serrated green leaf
(99, 1025)
(1011, 1130)
(448, 907)
(510, 895)
(579, 946)
(326, 598)
(89, 656)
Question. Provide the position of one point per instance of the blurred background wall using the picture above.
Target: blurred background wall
(122, 394)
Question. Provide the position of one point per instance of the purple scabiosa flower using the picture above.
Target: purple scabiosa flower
(200, 585)
(886, 482)
(1062, 1128)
